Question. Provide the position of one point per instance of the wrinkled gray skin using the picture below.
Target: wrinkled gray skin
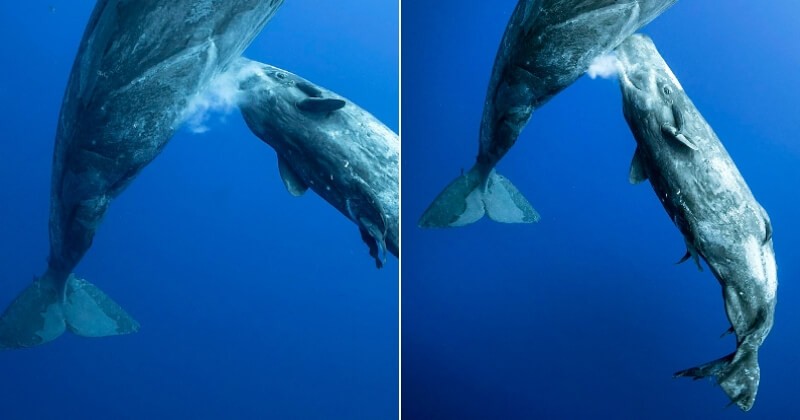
(138, 65)
(327, 143)
(547, 45)
(709, 201)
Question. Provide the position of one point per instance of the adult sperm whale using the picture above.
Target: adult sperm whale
(709, 201)
(329, 144)
(547, 45)
(138, 65)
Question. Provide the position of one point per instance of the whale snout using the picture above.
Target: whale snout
(639, 52)
(633, 57)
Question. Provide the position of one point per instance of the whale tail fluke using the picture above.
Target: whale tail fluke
(474, 194)
(737, 374)
(42, 312)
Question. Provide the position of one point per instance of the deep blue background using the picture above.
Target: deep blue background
(253, 304)
(585, 315)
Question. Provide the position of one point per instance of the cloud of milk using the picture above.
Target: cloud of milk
(605, 66)
(220, 97)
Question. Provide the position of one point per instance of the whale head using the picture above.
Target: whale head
(643, 70)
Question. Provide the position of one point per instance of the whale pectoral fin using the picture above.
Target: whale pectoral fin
(677, 115)
(675, 134)
(375, 237)
(637, 173)
(320, 105)
(294, 184)
(767, 225)
(677, 131)
(768, 236)
(309, 89)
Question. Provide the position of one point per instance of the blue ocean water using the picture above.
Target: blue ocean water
(253, 303)
(585, 314)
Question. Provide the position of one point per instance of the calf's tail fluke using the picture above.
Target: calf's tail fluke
(43, 311)
(737, 374)
(474, 194)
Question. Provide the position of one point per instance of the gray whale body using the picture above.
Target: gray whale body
(708, 200)
(547, 45)
(138, 65)
(327, 143)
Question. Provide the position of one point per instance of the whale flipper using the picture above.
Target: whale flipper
(320, 105)
(637, 173)
(294, 184)
(676, 131)
(308, 89)
(767, 226)
(472, 195)
(675, 134)
(737, 374)
(316, 102)
(39, 315)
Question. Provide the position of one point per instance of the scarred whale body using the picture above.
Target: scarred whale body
(547, 45)
(138, 65)
(327, 143)
(708, 200)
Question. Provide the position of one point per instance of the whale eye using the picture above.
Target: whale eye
(667, 90)
(280, 75)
